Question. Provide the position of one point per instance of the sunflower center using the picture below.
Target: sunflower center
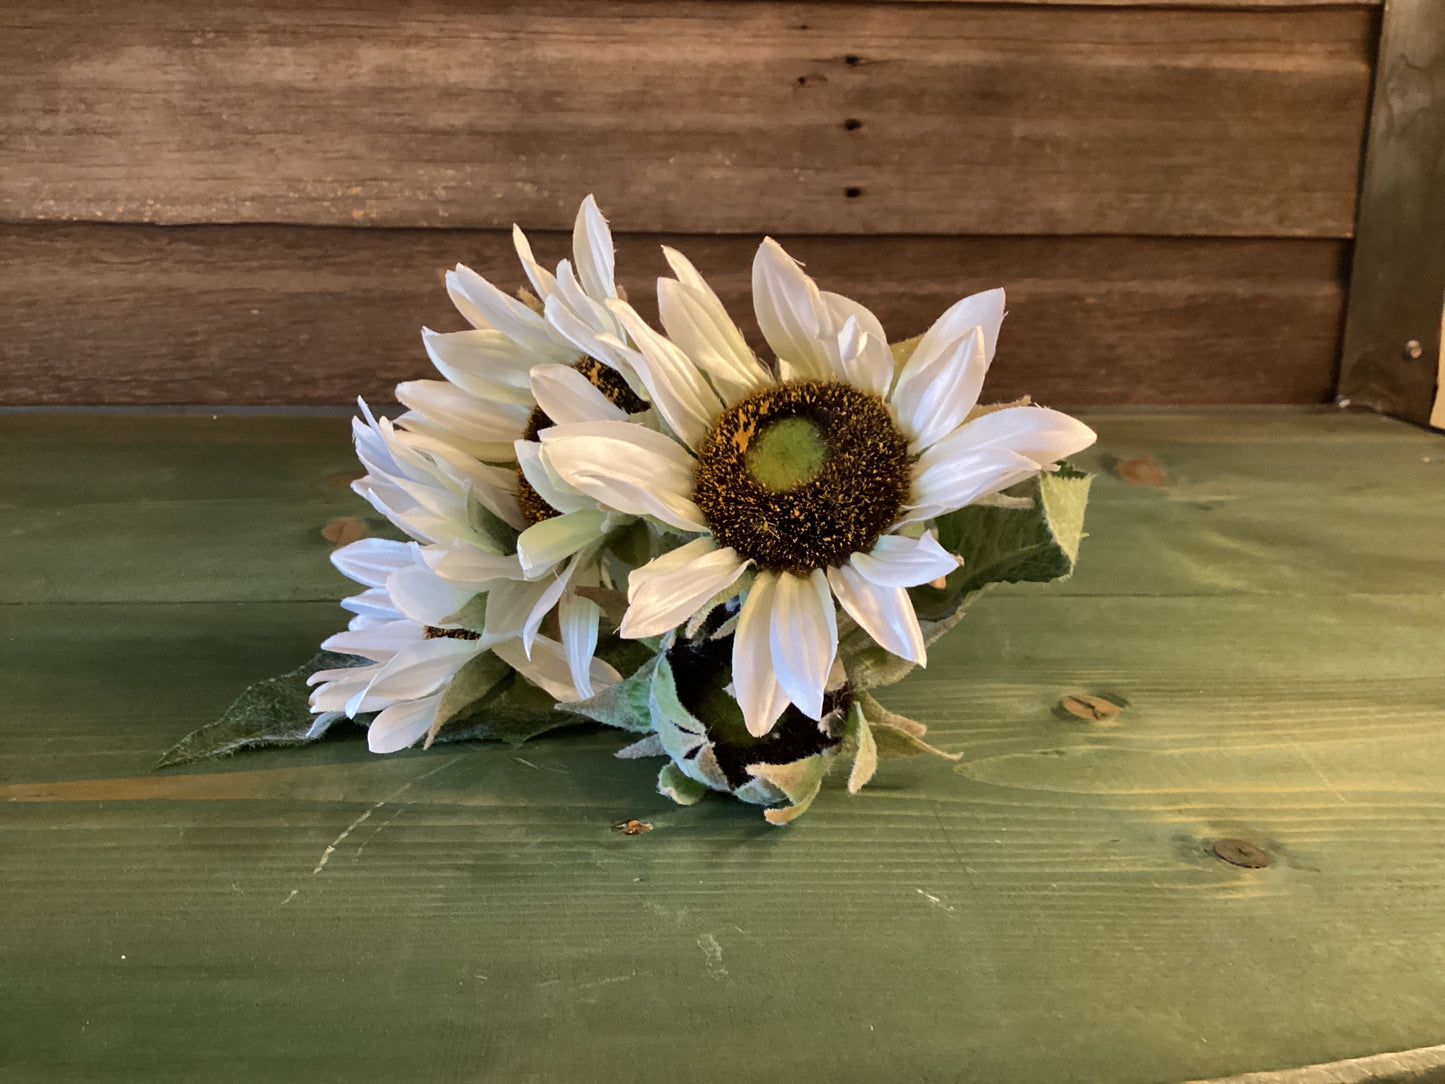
(787, 453)
(431, 632)
(801, 476)
(610, 384)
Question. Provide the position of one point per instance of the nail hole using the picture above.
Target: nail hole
(852, 124)
(852, 60)
(802, 26)
(852, 192)
(802, 80)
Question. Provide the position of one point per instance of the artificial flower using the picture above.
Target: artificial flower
(418, 630)
(820, 478)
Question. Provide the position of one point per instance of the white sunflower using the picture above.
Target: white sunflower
(485, 401)
(411, 624)
(821, 478)
(516, 372)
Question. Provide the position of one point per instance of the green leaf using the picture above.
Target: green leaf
(865, 759)
(1011, 545)
(877, 714)
(270, 712)
(869, 666)
(500, 536)
(679, 787)
(472, 616)
(517, 712)
(800, 781)
(482, 678)
(897, 735)
(624, 705)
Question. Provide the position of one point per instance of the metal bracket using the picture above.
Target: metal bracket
(1392, 349)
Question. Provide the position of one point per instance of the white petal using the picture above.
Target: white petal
(490, 449)
(548, 484)
(547, 668)
(486, 364)
(674, 384)
(592, 311)
(426, 598)
(401, 725)
(565, 395)
(627, 468)
(371, 560)
(505, 313)
(593, 251)
(540, 278)
(938, 388)
(339, 687)
(543, 544)
(759, 695)
(983, 311)
(786, 302)
(419, 670)
(1043, 435)
(578, 618)
(803, 638)
(869, 364)
(661, 599)
(462, 413)
(588, 339)
(477, 569)
(948, 482)
(897, 561)
(517, 609)
(697, 322)
(371, 604)
(378, 643)
(884, 613)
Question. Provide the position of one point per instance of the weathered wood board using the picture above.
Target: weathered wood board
(254, 314)
(829, 118)
(126, 508)
(1048, 909)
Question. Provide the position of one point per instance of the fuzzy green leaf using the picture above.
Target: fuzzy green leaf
(270, 712)
(472, 616)
(869, 666)
(517, 711)
(679, 787)
(500, 535)
(481, 679)
(865, 759)
(800, 781)
(624, 705)
(1011, 545)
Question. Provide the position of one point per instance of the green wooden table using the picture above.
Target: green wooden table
(1049, 909)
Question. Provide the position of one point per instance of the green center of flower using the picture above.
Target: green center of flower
(610, 383)
(803, 475)
(787, 453)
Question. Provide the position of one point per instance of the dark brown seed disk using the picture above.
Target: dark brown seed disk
(610, 383)
(858, 491)
(434, 633)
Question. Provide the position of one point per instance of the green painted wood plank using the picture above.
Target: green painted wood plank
(1048, 909)
(169, 508)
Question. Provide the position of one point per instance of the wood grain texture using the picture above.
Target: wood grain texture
(1047, 909)
(95, 506)
(107, 314)
(694, 117)
(1059, 882)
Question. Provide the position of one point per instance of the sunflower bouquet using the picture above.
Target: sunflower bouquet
(664, 533)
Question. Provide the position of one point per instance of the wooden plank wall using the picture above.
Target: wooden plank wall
(252, 203)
